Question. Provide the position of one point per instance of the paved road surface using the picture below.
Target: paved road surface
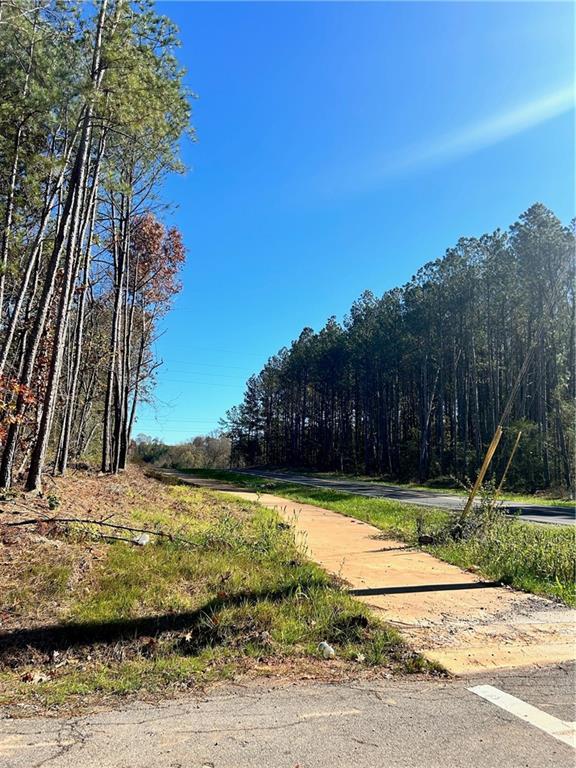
(393, 723)
(533, 512)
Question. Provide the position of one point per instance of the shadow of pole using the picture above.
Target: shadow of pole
(424, 588)
(61, 637)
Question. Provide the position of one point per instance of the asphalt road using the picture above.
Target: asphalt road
(536, 513)
(406, 723)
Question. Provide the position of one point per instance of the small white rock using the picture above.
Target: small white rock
(141, 540)
(326, 650)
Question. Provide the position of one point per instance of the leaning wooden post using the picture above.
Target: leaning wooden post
(483, 469)
(518, 436)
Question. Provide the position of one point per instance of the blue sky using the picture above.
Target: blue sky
(340, 147)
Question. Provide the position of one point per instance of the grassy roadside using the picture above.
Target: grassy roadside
(534, 558)
(544, 499)
(82, 616)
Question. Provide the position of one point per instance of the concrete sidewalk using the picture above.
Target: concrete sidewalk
(450, 615)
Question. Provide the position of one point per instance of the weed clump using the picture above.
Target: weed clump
(535, 558)
(239, 592)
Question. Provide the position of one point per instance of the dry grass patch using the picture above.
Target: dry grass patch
(233, 594)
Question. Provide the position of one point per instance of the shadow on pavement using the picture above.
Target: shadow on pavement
(424, 588)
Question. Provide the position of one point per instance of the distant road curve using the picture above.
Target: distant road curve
(535, 513)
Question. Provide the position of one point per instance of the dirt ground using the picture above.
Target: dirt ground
(83, 495)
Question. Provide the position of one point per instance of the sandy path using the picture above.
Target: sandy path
(448, 614)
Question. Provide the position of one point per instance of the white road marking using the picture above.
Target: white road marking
(560, 729)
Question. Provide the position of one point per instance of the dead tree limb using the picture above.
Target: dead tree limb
(86, 521)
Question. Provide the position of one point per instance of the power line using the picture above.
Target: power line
(174, 423)
(237, 351)
(196, 381)
(201, 364)
(182, 421)
(204, 373)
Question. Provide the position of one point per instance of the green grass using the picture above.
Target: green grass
(544, 499)
(42, 577)
(248, 595)
(535, 558)
(540, 560)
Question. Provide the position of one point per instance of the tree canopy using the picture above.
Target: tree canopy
(93, 109)
(413, 384)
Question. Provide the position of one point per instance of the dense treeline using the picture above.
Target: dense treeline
(414, 383)
(92, 109)
(208, 451)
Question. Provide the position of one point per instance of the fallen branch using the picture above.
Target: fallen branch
(109, 537)
(117, 526)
